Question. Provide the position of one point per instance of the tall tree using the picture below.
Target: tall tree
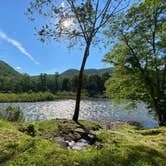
(81, 21)
(139, 56)
(43, 82)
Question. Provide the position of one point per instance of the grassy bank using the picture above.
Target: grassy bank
(41, 96)
(117, 145)
(34, 97)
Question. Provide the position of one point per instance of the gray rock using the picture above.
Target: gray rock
(81, 145)
(60, 141)
(70, 143)
(91, 136)
(79, 130)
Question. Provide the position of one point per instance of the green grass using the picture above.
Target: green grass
(124, 145)
(34, 97)
(38, 96)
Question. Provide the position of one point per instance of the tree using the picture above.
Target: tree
(26, 83)
(139, 56)
(93, 85)
(52, 82)
(66, 84)
(80, 21)
(43, 82)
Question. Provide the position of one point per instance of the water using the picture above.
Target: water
(99, 109)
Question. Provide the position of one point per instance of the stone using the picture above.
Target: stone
(60, 141)
(73, 136)
(70, 143)
(79, 130)
(91, 136)
(81, 145)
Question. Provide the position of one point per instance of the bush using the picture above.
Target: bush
(30, 130)
(1, 115)
(13, 114)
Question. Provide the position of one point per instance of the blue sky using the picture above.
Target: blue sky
(47, 58)
(20, 48)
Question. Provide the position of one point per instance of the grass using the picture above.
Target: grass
(123, 145)
(38, 96)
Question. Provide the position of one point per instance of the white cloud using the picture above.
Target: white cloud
(18, 67)
(18, 46)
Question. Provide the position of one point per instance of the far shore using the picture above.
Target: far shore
(42, 96)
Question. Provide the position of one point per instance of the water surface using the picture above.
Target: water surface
(99, 109)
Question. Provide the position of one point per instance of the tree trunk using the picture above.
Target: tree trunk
(79, 86)
(162, 118)
(161, 112)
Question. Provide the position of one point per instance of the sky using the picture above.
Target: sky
(21, 48)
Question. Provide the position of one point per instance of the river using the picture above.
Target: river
(97, 109)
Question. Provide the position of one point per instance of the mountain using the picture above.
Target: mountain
(71, 72)
(6, 70)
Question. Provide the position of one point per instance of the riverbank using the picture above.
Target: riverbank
(47, 143)
(40, 96)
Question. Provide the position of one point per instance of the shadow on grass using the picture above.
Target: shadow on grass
(130, 156)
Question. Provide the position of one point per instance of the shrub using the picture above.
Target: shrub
(13, 114)
(30, 130)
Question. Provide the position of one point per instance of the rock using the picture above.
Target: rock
(70, 143)
(79, 130)
(82, 144)
(91, 136)
(60, 141)
(83, 141)
(92, 132)
(73, 136)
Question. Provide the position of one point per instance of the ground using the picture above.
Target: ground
(112, 144)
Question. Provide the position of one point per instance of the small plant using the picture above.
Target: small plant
(13, 114)
(1, 115)
(30, 130)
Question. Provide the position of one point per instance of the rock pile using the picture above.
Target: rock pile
(78, 139)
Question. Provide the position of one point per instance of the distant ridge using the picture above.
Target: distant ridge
(71, 72)
(7, 71)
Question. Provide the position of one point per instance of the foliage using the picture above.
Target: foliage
(57, 84)
(28, 97)
(29, 129)
(138, 56)
(13, 114)
(63, 87)
(124, 146)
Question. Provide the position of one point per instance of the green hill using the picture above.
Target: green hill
(6, 70)
(72, 72)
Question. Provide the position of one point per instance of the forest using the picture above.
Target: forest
(14, 82)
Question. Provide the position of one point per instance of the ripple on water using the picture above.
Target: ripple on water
(101, 110)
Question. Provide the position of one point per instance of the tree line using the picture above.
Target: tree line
(93, 85)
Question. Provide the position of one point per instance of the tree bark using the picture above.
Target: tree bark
(79, 86)
(162, 118)
(161, 112)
